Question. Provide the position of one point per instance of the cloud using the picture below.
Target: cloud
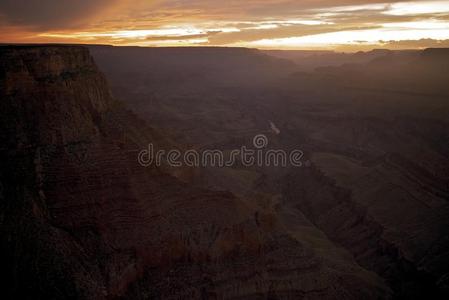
(277, 33)
(46, 14)
(414, 44)
(205, 35)
(224, 23)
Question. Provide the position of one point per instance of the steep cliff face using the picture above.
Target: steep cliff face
(81, 219)
(50, 99)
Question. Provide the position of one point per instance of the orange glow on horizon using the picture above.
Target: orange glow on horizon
(356, 26)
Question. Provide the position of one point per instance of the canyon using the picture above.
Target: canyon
(365, 217)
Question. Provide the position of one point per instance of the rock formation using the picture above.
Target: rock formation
(81, 219)
(374, 133)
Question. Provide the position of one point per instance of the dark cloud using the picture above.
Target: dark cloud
(182, 37)
(250, 35)
(251, 9)
(396, 45)
(45, 14)
(413, 44)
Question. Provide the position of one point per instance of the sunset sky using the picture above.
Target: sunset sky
(273, 24)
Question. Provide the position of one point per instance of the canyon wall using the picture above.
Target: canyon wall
(81, 219)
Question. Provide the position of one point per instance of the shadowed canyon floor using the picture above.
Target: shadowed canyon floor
(366, 216)
(374, 132)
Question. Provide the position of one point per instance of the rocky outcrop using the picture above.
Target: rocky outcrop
(81, 219)
(375, 245)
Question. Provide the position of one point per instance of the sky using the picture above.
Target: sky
(344, 25)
